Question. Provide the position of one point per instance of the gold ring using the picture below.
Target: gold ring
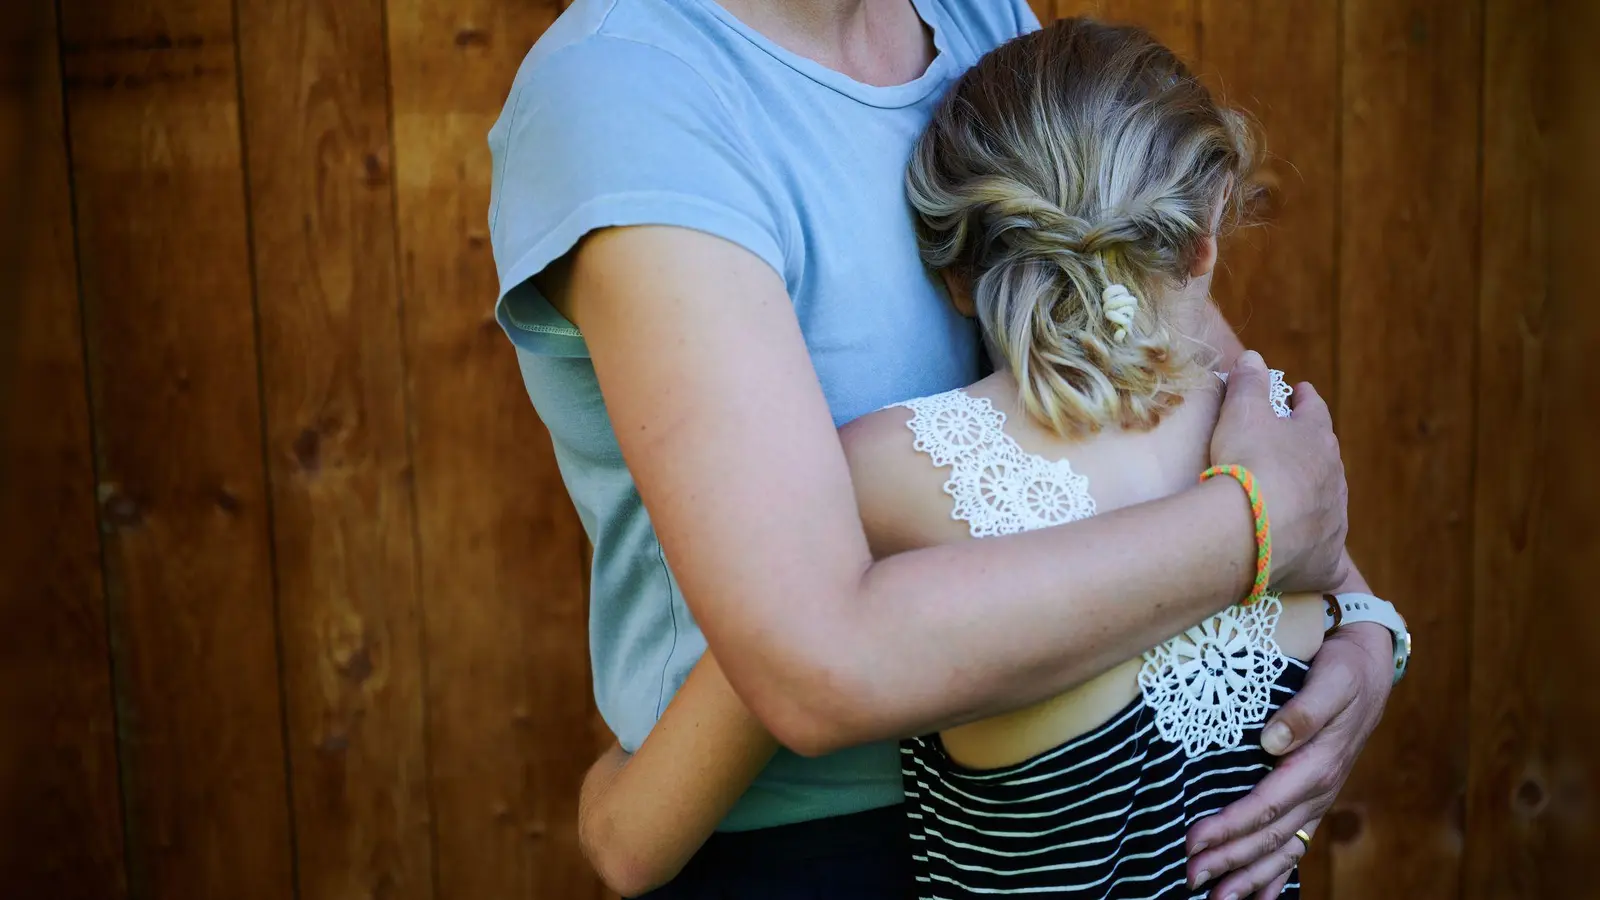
(1304, 838)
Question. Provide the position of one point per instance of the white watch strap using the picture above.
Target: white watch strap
(1345, 609)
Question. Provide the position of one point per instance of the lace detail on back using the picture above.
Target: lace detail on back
(998, 487)
(1206, 684)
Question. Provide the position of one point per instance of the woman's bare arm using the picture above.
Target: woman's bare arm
(641, 818)
(725, 429)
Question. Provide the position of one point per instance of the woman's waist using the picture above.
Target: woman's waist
(1009, 738)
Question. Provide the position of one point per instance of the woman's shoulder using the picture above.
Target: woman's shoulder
(594, 46)
(988, 24)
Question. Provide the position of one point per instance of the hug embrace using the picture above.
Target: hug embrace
(947, 542)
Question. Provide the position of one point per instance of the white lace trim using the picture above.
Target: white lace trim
(1206, 685)
(1278, 391)
(1211, 682)
(998, 487)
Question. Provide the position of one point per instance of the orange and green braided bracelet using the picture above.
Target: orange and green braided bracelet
(1258, 509)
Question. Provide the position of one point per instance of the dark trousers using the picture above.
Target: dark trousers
(865, 856)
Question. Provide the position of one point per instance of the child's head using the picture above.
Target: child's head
(1073, 182)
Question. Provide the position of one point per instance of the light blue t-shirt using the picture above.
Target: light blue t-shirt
(673, 112)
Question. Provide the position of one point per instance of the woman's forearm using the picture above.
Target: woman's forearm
(1353, 579)
(642, 817)
(1005, 622)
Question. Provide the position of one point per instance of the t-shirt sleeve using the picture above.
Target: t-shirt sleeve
(1027, 19)
(609, 132)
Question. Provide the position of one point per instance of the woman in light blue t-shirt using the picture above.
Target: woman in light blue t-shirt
(707, 264)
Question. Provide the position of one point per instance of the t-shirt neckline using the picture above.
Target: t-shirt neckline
(887, 96)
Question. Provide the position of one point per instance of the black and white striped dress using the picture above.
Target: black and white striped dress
(1105, 815)
(1102, 816)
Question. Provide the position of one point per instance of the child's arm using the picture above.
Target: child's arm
(641, 817)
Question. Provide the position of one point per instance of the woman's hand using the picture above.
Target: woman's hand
(1322, 731)
(1296, 463)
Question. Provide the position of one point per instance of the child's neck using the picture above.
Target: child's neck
(1186, 307)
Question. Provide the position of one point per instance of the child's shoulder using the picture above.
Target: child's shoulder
(889, 436)
(899, 490)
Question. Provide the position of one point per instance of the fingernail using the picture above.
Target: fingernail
(1199, 848)
(1199, 880)
(1276, 738)
(1233, 897)
(1253, 358)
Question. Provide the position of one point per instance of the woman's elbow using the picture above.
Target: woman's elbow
(817, 708)
(623, 870)
(628, 878)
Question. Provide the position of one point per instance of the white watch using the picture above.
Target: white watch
(1344, 609)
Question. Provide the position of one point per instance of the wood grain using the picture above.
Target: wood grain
(1407, 283)
(1175, 23)
(502, 581)
(153, 108)
(1279, 63)
(1556, 793)
(58, 748)
(23, 36)
(315, 94)
(1511, 742)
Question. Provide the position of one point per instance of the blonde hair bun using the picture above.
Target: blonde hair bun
(1071, 178)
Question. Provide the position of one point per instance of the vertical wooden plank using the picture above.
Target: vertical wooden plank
(1510, 737)
(1569, 536)
(1277, 283)
(153, 107)
(1173, 22)
(315, 100)
(1280, 63)
(502, 588)
(58, 760)
(1532, 826)
(21, 39)
(1408, 279)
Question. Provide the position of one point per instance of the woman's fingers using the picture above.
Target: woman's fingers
(1266, 842)
(1330, 688)
(1264, 873)
(1306, 780)
(1328, 720)
(1308, 404)
(1275, 889)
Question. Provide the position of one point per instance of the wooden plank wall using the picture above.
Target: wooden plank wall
(296, 599)
(58, 748)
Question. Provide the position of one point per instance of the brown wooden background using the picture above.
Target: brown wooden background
(293, 600)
